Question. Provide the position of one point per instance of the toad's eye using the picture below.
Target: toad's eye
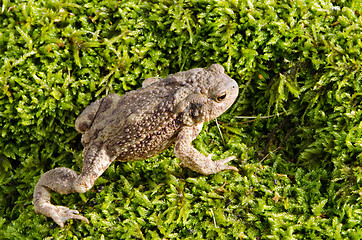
(221, 97)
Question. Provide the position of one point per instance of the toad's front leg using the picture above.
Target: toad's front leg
(193, 159)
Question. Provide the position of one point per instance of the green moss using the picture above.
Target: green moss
(297, 62)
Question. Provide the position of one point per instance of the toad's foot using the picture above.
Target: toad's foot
(61, 214)
(220, 164)
(206, 166)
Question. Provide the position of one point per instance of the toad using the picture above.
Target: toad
(141, 124)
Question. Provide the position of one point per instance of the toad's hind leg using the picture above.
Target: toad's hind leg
(95, 161)
(65, 181)
(59, 180)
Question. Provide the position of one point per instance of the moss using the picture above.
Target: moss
(297, 62)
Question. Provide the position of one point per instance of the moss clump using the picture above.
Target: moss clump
(297, 62)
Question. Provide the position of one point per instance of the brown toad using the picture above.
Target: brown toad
(139, 125)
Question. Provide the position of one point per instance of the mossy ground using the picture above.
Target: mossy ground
(297, 62)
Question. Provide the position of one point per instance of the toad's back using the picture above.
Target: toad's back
(140, 124)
